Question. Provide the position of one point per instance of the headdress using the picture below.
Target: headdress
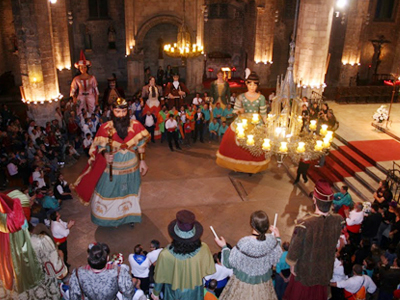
(185, 227)
(82, 61)
(120, 103)
(323, 191)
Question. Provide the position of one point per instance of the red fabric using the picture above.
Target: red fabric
(229, 149)
(60, 241)
(354, 228)
(88, 183)
(341, 211)
(378, 150)
(296, 291)
(15, 220)
(27, 213)
(86, 186)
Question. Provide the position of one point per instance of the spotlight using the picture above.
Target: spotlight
(341, 3)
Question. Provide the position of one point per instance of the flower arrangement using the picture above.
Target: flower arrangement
(381, 114)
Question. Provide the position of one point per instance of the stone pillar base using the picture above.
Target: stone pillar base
(64, 82)
(43, 113)
(135, 69)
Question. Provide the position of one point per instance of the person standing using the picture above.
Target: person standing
(252, 260)
(312, 249)
(302, 169)
(187, 256)
(84, 89)
(199, 120)
(111, 181)
(150, 95)
(171, 126)
(150, 122)
(60, 231)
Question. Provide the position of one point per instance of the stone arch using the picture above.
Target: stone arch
(150, 23)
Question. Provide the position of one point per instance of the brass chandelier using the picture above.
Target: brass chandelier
(183, 47)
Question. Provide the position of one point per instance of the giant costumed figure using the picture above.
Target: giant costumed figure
(150, 93)
(111, 181)
(230, 155)
(21, 275)
(84, 89)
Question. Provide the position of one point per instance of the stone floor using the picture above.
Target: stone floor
(190, 179)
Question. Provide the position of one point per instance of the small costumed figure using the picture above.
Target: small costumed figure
(176, 92)
(84, 89)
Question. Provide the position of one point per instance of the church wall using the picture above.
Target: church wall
(104, 61)
(9, 58)
(389, 51)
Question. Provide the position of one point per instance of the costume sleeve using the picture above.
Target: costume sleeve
(74, 87)
(167, 90)
(94, 86)
(74, 290)
(296, 245)
(263, 106)
(226, 252)
(228, 92)
(184, 88)
(213, 93)
(125, 283)
(145, 92)
(238, 103)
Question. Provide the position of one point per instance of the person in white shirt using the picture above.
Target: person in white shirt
(233, 99)
(60, 231)
(62, 190)
(221, 274)
(155, 251)
(38, 175)
(150, 124)
(353, 223)
(171, 126)
(87, 142)
(140, 267)
(338, 275)
(354, 284)
(197, 100)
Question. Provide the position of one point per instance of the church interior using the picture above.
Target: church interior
(345, 53)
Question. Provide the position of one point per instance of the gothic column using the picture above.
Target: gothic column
(135, 68)
(312, 44)
(264, 40)
(194, 73)
(61, 47)
(32, 20)
(358, 11)
(130, 28)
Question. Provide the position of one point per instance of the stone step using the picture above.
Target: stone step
(359, 189)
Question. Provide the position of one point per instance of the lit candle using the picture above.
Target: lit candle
(244, 122)
(269, 117)
(313, 124)
(318, 146)
(255, 118)
(330, 135)
(239, 126)
(278, 131)
(266, 145)
(324, 129)
(283, 147)
(240, 133)
(250, 140)
(301, 148)
(300, 119)
(326, 142)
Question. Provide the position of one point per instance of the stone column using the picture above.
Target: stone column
(352, 45)
(130, 30)
(61, 47)
(32, 19)
(194, 73)
(135, 68)
(264, 40)
(312, 44)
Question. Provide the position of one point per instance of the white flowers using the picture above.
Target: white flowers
(381, 114)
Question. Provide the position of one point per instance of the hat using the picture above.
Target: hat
(185, 227)
(82, 61)
(112, 79)
(120, 103)
(174, 74)
(323, 191)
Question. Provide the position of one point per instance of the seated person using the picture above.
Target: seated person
(342, 198)
(383, 195)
